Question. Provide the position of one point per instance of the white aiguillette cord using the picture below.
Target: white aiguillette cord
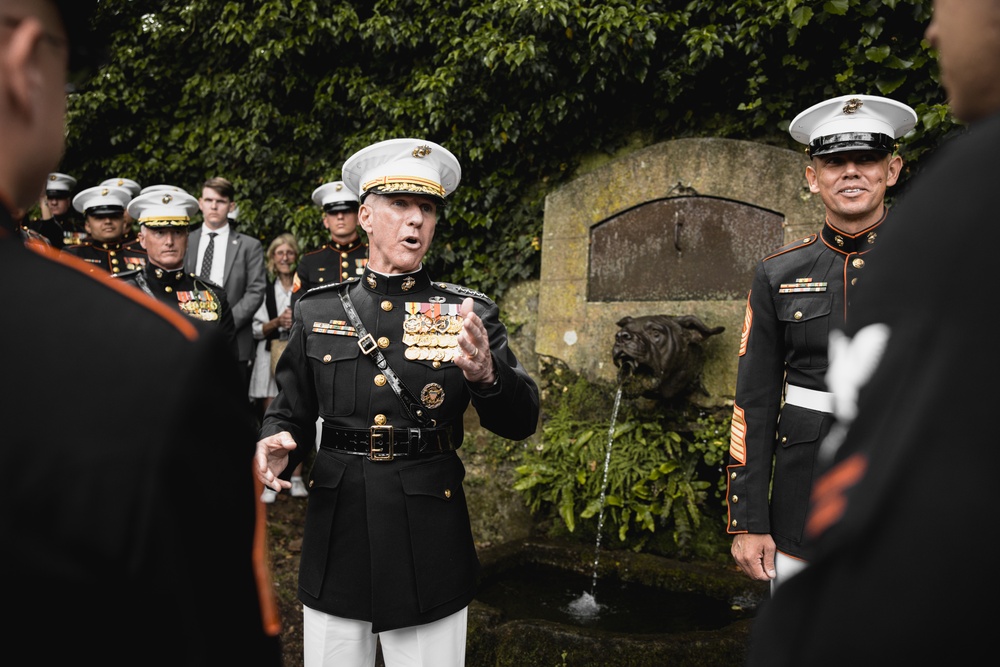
(368, 345)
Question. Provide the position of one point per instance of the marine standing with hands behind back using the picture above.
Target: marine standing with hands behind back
(782, 407)
(391, 362)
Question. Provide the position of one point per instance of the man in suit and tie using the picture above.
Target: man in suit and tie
(220, 254)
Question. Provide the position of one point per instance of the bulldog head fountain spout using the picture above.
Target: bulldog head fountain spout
(660, 356)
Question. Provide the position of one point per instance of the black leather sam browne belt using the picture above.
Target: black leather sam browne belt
(384, 443)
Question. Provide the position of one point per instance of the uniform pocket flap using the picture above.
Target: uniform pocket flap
(805, 426)
(440, 479)
(327, 472)
(328, 349)
(803, 307)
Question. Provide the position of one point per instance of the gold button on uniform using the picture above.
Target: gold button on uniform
(327, 358)
(380, 420)
(798, 315)
(447, 493)
(387, 306)
(858, 263)
(735, 498)
(732, 475)
(383, 342)
(379, 380)
(169, 289)
(734, 523)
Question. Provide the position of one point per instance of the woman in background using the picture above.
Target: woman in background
(271, 322)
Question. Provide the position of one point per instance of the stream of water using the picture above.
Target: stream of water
(586, 606)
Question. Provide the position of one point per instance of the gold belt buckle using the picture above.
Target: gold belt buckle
(380, 443)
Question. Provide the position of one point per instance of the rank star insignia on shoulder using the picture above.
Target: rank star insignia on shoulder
(459, 289)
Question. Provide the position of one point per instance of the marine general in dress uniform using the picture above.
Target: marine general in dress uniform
(391, 361)
(164, 216)
(106, 247)
(799, 293)
(346, 254)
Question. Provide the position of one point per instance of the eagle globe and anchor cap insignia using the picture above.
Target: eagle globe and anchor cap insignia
(853, 105)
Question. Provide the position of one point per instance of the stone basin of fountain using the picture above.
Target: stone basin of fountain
(652, 611)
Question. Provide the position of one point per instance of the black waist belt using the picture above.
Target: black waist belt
(384, 443)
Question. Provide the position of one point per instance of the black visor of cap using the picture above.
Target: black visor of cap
(851, 141)
(106, 210)
(57, 194)
(336, 206)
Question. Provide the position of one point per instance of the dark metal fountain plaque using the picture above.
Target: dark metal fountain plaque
(681, 249)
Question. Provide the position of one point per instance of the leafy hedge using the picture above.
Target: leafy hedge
(276, 94)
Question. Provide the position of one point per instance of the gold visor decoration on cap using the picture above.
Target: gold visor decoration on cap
(390, 184)
(166, 221)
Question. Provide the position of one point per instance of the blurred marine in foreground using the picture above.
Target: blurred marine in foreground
(113, 550)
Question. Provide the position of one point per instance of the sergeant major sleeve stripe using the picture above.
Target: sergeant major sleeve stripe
(737, 436)
(747, 323)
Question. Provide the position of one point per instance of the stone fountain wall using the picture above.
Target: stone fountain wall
(735, 201)
(675, 228)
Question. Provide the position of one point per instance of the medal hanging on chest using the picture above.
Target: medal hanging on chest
(199, 304)
(430, 331)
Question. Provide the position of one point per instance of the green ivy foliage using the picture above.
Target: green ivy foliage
(276, 94)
